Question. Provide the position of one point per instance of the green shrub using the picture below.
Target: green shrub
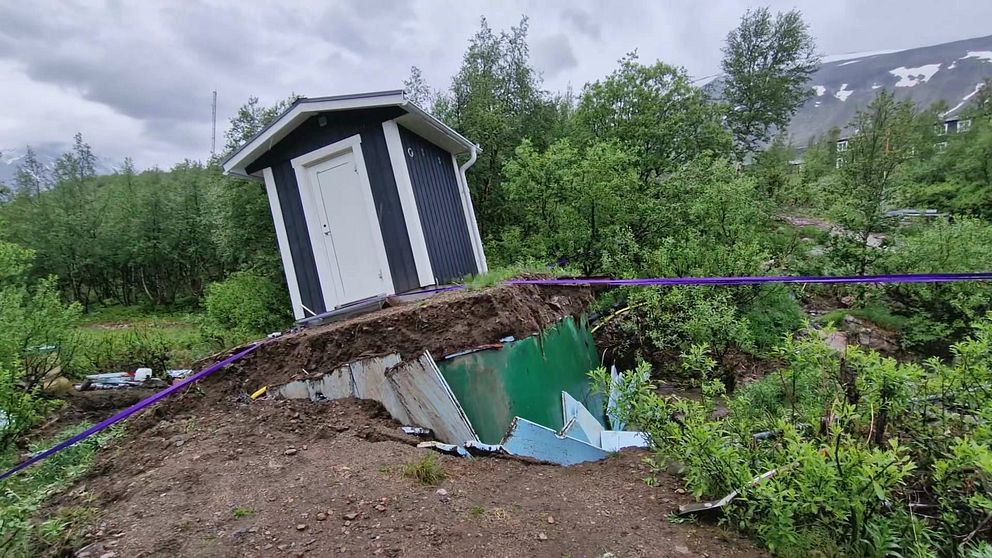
(243, 306)
(853, 444)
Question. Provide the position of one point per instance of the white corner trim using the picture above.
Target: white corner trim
(404, 186)
(470, 221)
(310, 198)
(282, 238)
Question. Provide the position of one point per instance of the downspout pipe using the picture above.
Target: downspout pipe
(474, 225)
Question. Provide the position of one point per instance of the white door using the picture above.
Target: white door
(345, 220)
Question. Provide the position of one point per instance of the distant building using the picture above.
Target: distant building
(954, 125)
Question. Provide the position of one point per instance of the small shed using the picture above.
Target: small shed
(367, 197)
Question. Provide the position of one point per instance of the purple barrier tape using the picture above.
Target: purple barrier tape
(129, 411)
(723, 281)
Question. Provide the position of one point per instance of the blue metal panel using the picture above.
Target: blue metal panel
(439, 203)
(529, 439)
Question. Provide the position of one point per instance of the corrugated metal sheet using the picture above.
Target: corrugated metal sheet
(429, 401)
(439, 203)
(310, 136)
(579, 422)
(528, 439)
(525, 378)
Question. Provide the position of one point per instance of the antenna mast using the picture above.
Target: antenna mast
(213, 125)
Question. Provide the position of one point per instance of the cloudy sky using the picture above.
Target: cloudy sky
(135, 77)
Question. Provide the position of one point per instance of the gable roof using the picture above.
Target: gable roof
(416, 119)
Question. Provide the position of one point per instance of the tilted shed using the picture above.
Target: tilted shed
(367, 197)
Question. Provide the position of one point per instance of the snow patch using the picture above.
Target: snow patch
(843, 93)
(817, 104)
(909, 77)
(850, 62)
(820, 90)
(876, 85)
(953, 65)
(966, 98)
(985, 55)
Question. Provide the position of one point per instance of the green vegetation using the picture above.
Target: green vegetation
(428, 470)
(870, 455)
(638, 174)
(243, 512)
(25, 529)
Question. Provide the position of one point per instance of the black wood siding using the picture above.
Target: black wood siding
(439, 204)
(291, 206)
(310, 135)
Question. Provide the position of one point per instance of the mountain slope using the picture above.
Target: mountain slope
(948, 72)
(11, 159)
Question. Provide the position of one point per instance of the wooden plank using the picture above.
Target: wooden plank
(428, 400)
(370, 383)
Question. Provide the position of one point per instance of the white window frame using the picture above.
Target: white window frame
(839, 163)
(964, 125)
(841, 146)
(940, 146)
(310, 197)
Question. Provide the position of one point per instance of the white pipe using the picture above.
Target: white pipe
(474, 225)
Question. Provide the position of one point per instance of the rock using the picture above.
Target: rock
(442, 494)
(380, 507)
(847, 301)
(680, 491)
(321, 516)
(551, 520)
(110, 554)
(283, 546)
(91, 550)
(351, 516)
(290, 451)
(683, 550)
(301, 527)
(542, 537)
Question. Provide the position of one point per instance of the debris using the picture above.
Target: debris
(259, 392)
(613, 401)
(551, 520)
(579, 422)
(273, 335)
(321, 516)
(616, 440)
(142, 374)
(179, 373)
(479, 449)
(350, 516)
(528, 439)
(369, 381)
(415, 431)
(486, 347)
(449, 449)
(428, 400)
(290, 451)
(697, 507)
(542, 537)
(301, 527)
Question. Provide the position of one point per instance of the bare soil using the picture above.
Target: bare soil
(210, 473)
(219, 482)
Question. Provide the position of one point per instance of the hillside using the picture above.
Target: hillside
(846, 83)
(948, 72)
(11, 159)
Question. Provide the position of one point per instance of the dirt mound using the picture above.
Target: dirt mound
(298, 478)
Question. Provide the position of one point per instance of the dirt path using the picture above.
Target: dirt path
(174, 491)
(874, 240)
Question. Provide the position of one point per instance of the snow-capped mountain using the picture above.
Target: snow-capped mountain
(11, 159)
(844, 84)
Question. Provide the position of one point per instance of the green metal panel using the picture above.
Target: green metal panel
(525, 378)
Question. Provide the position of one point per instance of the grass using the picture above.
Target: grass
(24, 530)
(243, 512)
(498, 275)
(428, 470)
(876, 314)
(119, 338)
(477, 511)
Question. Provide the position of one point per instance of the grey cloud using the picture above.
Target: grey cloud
(554, 55)
(582, 21)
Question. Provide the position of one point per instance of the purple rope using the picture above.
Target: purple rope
(106, 423)
(722, 281)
